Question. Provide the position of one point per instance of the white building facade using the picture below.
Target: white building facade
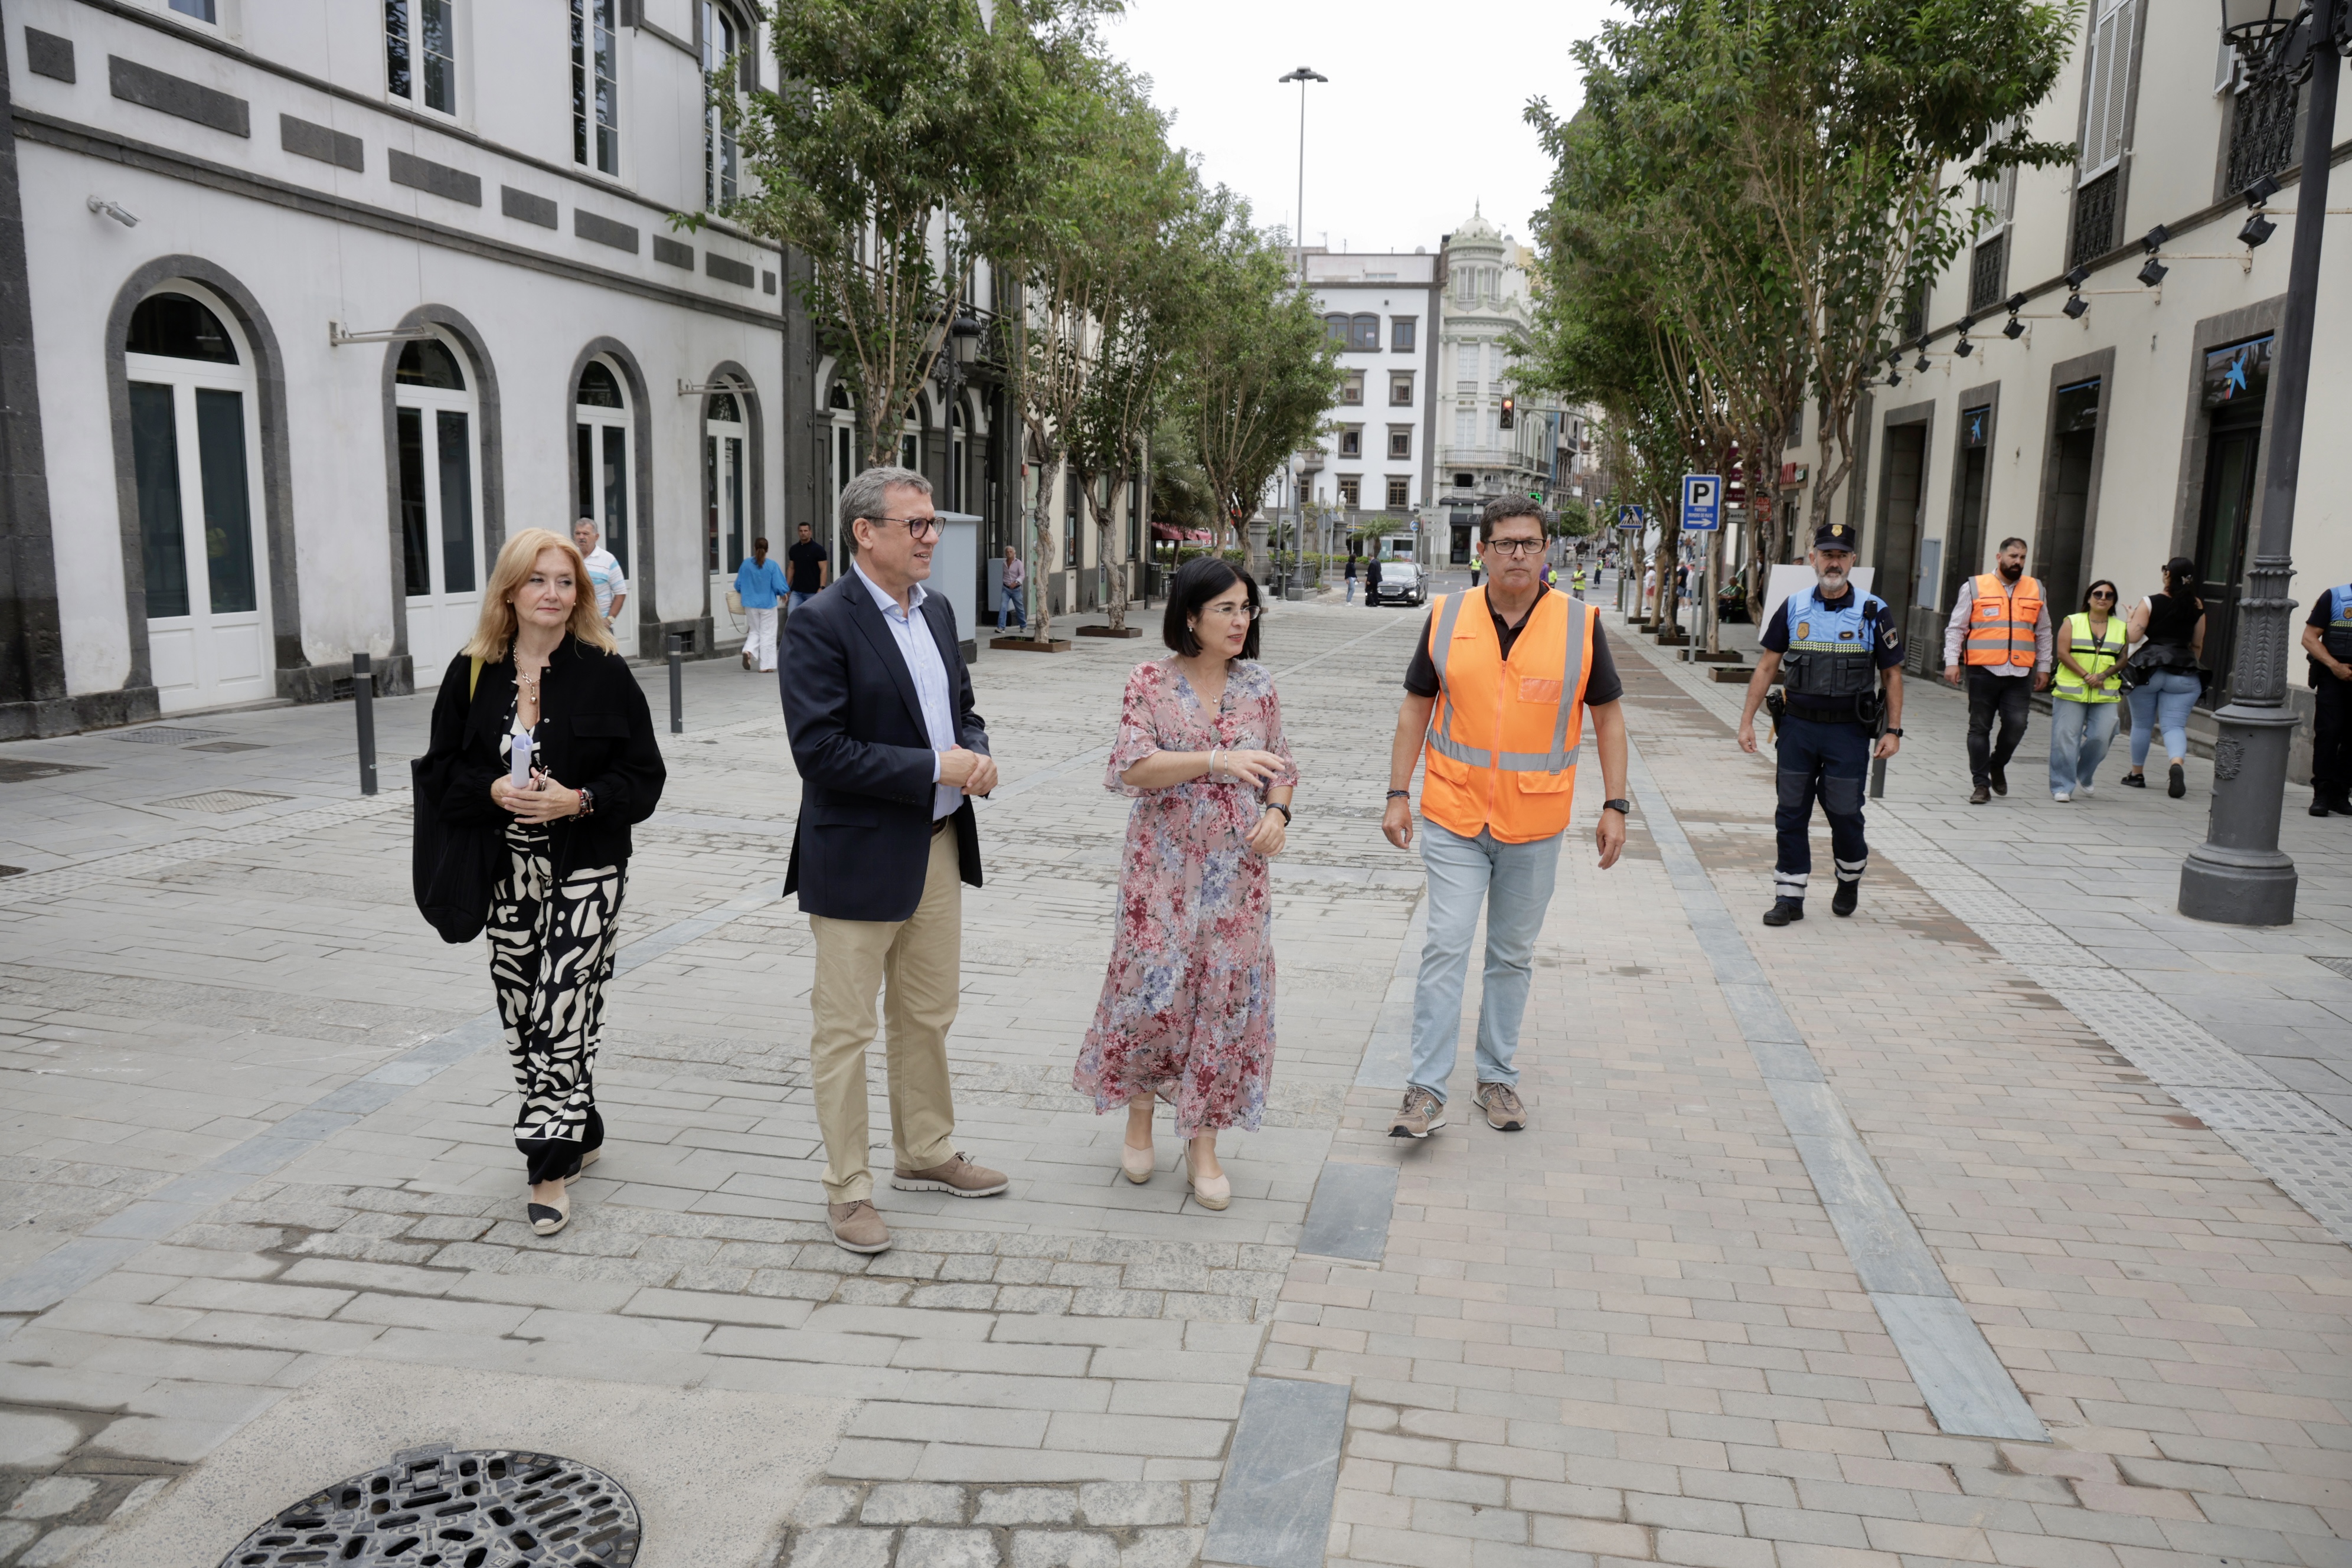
(2139, 428)
(402, 280)
(1380, 311)
(1493, 437)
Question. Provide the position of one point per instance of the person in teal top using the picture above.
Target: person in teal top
(760, 582)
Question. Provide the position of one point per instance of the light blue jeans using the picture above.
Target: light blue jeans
(2161, 702)
(1514, 883)
(2080, 734)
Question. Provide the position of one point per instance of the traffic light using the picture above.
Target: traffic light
(1510, 410)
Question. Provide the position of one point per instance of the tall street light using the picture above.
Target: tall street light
(1302, 76)
(2239, 876)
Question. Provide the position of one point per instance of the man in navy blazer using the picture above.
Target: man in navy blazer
(878, 704)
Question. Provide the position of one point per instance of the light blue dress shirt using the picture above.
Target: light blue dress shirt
(921, 652)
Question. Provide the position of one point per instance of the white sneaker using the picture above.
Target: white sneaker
(2085, 791)
(2060, 795)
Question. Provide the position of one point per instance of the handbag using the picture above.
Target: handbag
(452, 865)
(734, 603)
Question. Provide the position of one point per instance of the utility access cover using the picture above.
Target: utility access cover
(436, 1508)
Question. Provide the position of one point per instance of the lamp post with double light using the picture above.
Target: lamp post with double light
(2239, 876)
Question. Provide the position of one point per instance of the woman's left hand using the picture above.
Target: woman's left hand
(1266, 838)
(545, 800)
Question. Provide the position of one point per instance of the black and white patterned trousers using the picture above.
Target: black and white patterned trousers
(550, 954)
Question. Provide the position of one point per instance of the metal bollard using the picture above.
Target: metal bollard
(676, 684)
(364, 704)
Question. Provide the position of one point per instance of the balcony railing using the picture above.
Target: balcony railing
(1486, 458)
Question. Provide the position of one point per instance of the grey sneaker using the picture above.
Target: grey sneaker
(1421, 1114)
(1500, 1101)
(857, 1226)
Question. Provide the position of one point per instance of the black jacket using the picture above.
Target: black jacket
(863, 846)
(595, 731)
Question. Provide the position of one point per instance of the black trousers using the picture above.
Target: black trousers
(2331, 737)
(1829, 762)
(2010, 697)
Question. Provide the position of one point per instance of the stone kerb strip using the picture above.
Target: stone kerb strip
(2279, 1131)
(1964, 1382)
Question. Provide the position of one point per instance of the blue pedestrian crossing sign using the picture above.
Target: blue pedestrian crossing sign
(1633, 518)
(1702, 503)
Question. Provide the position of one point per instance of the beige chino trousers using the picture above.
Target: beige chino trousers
(919, 961)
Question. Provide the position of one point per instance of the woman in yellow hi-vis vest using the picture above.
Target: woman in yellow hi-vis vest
(1498, 688)
(2086, 695)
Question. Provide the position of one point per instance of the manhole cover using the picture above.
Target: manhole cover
(231, 746)
(220, 800)
(433, 1507)
(24, 769)
(165, 735)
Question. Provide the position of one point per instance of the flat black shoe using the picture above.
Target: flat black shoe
(2340, 804)
(2180, 784)
(2134, 781)
(2319, 806)
(2000, 781)
(1848, 895)
(1783, 911)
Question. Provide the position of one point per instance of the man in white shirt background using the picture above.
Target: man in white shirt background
(605, 574)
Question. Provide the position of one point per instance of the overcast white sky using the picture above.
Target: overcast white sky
(1421, 118)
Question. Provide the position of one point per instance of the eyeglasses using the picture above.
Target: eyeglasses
(1515, 546)
(1234, 611)
(917, 527)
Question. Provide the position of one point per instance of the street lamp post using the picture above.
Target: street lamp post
(1302, 76)
(2239, 876)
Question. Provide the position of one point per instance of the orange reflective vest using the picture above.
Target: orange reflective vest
(2001, 622)
(1504, 736)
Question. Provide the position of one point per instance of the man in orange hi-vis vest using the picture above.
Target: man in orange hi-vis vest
(1999, 635)
(1498, 688)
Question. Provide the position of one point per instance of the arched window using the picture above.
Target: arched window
(606, 470)
(724, 485)
(195, 444)
(1364, 333)
(434, 424)
(1337, 325)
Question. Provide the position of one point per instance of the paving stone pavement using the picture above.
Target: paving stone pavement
(1629, 1333)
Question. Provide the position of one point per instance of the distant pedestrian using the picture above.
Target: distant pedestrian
(2328, 643)
(1010, 601)
(1999, 635)
(540, 678)
(2085, 699)
(1352, 577)
(1372, 577)
(1650, 586)
(1577, 583)
(1187, 1009)
(890, 755)
(809, 569)
(606, 579)
(2170, 628)
(760, 582)
(1497, 690)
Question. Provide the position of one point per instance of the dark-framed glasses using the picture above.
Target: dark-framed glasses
(1515, 546)
(917, 527)
(2103, 593)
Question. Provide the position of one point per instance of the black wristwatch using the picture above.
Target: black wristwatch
(1894, 731)
(1621, 807)
(1278, 805)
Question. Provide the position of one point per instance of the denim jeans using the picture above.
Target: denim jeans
(1009, 604)
(2080, 734)
(1514, 882)
(2161, 702)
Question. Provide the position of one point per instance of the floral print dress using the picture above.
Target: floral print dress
(1187, 1009)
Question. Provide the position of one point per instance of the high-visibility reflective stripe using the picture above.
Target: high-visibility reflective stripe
(1563, 754)
(1572, 677)
(1441, 644)
(1511, 761)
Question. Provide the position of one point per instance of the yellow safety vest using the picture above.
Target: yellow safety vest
(2096, 655)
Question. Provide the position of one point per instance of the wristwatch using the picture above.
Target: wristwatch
(1895, 731)
(1621, 807)
(1278, 805)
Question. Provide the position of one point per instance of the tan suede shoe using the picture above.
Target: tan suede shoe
(858, 1227)
(959, 1177)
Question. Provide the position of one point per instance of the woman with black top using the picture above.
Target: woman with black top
(2170, 629)
(541, 678)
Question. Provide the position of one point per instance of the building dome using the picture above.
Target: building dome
(1475, 226)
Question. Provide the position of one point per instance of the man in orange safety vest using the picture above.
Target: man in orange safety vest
(1499, 691)
(1999, 634)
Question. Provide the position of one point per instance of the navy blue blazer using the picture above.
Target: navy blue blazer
(863, 845)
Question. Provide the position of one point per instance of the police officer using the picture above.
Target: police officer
(2328, 643)
(1841, 647)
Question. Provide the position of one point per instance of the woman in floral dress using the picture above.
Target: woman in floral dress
(1187, 1009)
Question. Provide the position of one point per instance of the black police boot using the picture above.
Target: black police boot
(1848, 895)
(1783, 911)
(2321, 805)
(2340, 803)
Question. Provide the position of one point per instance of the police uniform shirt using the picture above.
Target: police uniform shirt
(2323, 611)
(1600, 683)
(1886, 649)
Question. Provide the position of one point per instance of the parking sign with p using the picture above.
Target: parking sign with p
(1702, 503)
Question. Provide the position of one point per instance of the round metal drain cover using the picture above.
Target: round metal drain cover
(436, 1508)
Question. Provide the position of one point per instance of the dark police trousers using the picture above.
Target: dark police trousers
(2331, 737)
(1828, 761)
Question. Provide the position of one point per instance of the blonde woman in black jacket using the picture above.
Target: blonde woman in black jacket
(542, 665)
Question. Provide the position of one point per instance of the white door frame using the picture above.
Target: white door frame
(441, 622)
(718, 463)
(602, 421)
